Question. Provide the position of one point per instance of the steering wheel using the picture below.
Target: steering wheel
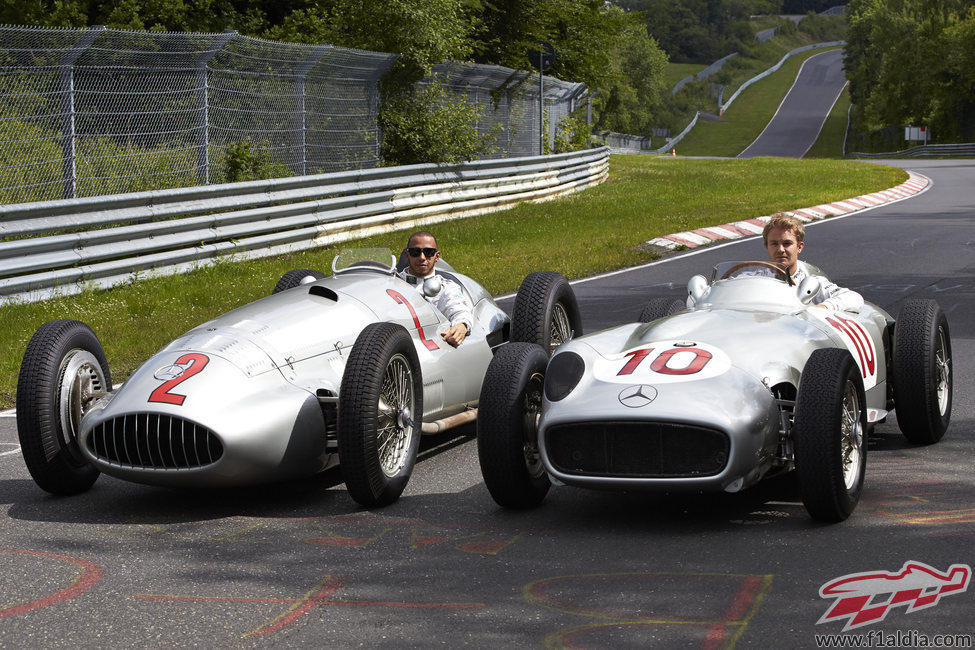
(740, 265)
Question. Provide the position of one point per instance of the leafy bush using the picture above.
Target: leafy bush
(572, 134)
(824, 28)
(247, 161)
(424, 125)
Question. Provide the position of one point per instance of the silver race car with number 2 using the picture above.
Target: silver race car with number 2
(345, 369)
(751, 381)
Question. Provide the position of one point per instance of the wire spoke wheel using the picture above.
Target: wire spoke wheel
(851, 436)
(942, 364)
(396, 409)
(561, 327)
(380, 414)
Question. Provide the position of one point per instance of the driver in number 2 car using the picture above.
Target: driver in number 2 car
(451, 301)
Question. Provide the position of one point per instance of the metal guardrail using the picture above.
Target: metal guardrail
(62, 247)
(703, 74)
(925, 151)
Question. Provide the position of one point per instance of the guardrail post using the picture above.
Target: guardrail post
(203, 105)
(68, 145)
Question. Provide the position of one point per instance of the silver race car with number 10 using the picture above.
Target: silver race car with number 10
(752, 381)
(345, 369)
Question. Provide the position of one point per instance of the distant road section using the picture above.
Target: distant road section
(800, 117)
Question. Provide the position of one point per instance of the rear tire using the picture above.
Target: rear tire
(63, 372)
(545, 312)
(922, 371)
(830, 434)
(507, 426)
(660, 307)
(295, 278)
(380, 414)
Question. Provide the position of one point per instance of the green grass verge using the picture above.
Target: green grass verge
(589, 232)
(747, 116)
(674, 72)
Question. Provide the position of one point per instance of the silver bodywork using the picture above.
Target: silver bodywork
(702, 399)
(251, 396)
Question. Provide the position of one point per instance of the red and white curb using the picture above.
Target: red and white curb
(915, 184)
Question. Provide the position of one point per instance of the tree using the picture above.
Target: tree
(630, 98)
(50, 13)
(908, 64)
(698, 31)
(423, 32)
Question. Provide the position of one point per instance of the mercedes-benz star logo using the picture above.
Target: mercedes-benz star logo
(169, 372)
(637, 396)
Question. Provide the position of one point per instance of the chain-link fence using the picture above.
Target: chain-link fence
(508, 102)
(101, 111)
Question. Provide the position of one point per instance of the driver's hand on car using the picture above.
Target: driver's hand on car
(455, 334)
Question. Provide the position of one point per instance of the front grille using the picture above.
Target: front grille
(154, 441)
(636, 449)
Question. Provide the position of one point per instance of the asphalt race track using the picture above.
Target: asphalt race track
(299, 564)
(800, 116)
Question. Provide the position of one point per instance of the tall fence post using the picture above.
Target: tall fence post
(301, 115)
(68, 136)
(203, 105)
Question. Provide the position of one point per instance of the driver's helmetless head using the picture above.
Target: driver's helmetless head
(783, 236)
(421, 250)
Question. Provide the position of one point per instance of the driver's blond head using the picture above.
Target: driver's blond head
(785, 222)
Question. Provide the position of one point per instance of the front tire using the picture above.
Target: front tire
(295, 278)
(380, 414)
(507, 426)
(545, 312)
(63, 372)
(922, 371)
(830, 434)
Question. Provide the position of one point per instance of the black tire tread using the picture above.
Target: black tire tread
(37, 416)
(293, 278)
(539, 291)
(915, 392)
(818, 410)
(499, 449)
(358, 418)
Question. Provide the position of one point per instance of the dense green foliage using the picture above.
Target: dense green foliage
(911, 62)
(700, 31)
(421, 125)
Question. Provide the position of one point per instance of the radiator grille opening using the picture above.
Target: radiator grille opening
(154, 441)
(637, 449)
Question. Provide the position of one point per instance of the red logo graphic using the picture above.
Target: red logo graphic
(866, 598)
